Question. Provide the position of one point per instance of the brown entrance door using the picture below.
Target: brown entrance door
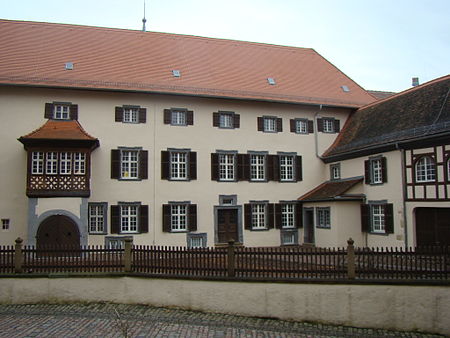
(58, 230)
(227, 225)
(309, 226)
(432, 226)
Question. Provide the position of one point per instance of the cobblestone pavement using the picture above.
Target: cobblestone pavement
(118, 320)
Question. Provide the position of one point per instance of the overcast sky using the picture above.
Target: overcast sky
(379, 44)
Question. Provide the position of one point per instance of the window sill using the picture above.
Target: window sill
(323, 227)
(258, 229)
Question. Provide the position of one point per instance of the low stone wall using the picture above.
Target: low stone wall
(397, 307)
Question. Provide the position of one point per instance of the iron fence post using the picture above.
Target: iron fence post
(127, 254)
(351, 272)
(231, 262)
(18, 256)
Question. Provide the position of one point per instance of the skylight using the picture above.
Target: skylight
(176, 73)
(271, 80)
(345, 88)
(68, 65)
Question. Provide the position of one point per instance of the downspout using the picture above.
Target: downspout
(316, 133)
(404, 191)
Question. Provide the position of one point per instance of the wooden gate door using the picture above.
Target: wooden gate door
(309, 226)
(227, 225)
(58, 230)
(432, 226)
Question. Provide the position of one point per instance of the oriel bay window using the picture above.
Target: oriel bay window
(129, 164)
(179, 217)
(178, 165)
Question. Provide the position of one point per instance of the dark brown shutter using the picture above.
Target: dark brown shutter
(189, 117)
(337, 126)
(118, 115)
(115, 163)
(73, 112)
(216, 119)
(142, 115)
(389, 218)
(365, 218)
(273, 172)
(237, 121)
(248, 216)
(270, 216)
(320, 124)
(279, 124)
(310, 126)
(143, 218)
(278, 216)
(115, 219)
(293, 126)
(166, 217)
(192, 217)
(367, 171)
(143, 164)
(165, 165)
(384, 169)
(48, 114)
(260, 124)
(298, 168)
(243, 167)
(214, 167)
(299, 215)
(192, 165)
(167, 116)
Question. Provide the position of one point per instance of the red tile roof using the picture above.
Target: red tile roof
(115, 59)
(60, 130)
(333, 190)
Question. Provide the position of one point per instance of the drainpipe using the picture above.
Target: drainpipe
(404, 191)
(316, 134)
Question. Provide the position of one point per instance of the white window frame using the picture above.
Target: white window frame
(335, 171)
(377, 218)
(257, 167)
(6, 224)
(288, 216)
(37, 162)
(65, 163)
(97, 218)
(289, 238)
(178, 118)
(129, 218)
(51, 164)
(79, 163)
(270, 124)
(376, 172)
(130, 115)
(287, 168)
(226, 120)
(61, 111)
(323, 217)
(425, 169)
(129, 164)
(301, 126)
(179, 217)
(178, 165)
(259, 216)
(198, 240)
(328, 125)
(227, 164)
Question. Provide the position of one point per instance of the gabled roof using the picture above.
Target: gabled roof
(333, 191)
(58, 131)
(419, 113)
(114, 59)
(379, 95)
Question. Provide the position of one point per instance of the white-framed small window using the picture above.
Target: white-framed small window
(130, 114)
(116, 243)
(288, 216)
(287, 168)
(65, 163)
(335, 171)
(323, 217)
(196, 240)
(226, 120)
(51, 165)
(425, 169)
(79, 163)
(289, 238)
(61, 111)
(257, 167)
(129, 163)
(378, 218)
(270, 124)
(178, 217)
(6, 223)
(301, 126)
(376, 171)
(129, 218)
(178, 117)
(259, 216)
(37, 163)
(178, 165)
(328, 125)
(226, 167)
(97, 217)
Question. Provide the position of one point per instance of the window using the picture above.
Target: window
(377, 217)
(37, 162)
(328, 125)
(97, 217)
(287, 216)
(117, 243)
(323, 218)
(52, 163)
(61, 111)
(178, 165)
(375, 170)
(270, 124)
(79, 163)
(226, 167)
(226, 120)
(129, 218)
(257, 167)
(287, 168)
(259, 215)
(129, 164)
(179, 217)
(178, 117)
(5, 224)
(425, 169)
(302, 126)
(65, 163)
(335, 171)
(289, 237)
(131, 114)
(196, 240)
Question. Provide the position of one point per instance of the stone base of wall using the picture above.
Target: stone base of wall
(396, 307)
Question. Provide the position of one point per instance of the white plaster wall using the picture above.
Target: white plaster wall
(422, 308)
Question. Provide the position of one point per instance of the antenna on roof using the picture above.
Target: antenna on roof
(144, 20)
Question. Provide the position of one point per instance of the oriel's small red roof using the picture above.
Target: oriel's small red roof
(60, 130)
(333, 190)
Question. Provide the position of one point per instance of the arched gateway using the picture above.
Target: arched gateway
(58, 230)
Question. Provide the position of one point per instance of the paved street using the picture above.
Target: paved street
(112, 320)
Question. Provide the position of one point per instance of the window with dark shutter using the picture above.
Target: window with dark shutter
(115, 219)
(293, 125)
(190, 118)
(273, 170)
(214, 166)
(74, 112)
(118, 115)
(166, 217)
(142, 115)
(310, 126)
(278, 216)
(237, 121)
(192, 217)
(243, 167)
(299, 215)
(143, 164)
(279, 124)
(248, 216)
(216, 117)
(165, 165)
(389, 218)
(337, 126)
(48, 114)
(298, 168)
(384, 169)
(260, 124)
(143, 219)
(367, 172)
(115, 163)
(320, 124)
(365, 218)
(167, 116)
(270, 215)
(192, 165)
